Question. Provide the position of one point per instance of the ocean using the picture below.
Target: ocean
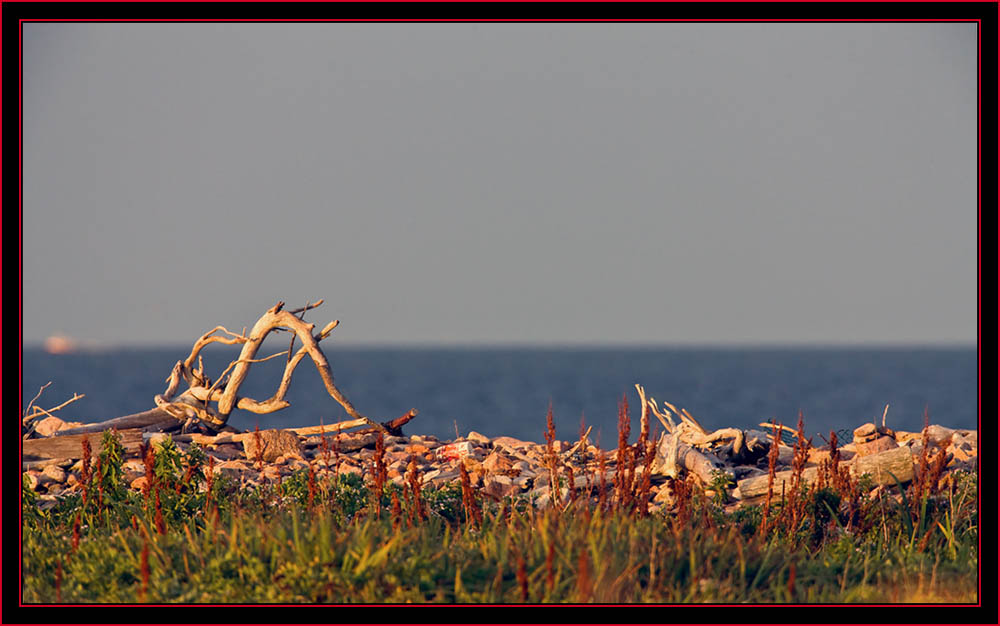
(507, 391)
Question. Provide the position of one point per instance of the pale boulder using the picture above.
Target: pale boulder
(272, 444)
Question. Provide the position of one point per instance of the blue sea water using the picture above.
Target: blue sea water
(507, 391)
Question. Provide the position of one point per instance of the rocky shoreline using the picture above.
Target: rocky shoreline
(499, 467)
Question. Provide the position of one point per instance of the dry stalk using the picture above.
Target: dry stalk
(397, 512)
(602, 487)
(380, 472)
(550, 456)
(623, 481)
(413, 479)
(522, 577)
(772, 461)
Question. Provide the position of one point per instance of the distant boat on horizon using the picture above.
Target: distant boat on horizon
(59, 344)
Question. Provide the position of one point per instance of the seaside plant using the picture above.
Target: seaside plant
(198, 536)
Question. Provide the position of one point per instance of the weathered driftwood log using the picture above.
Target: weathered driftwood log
(393, 427)
(136, 420)
(740, 449)
(881, 467)
(71, 446)
(672, 455)
(349, 442)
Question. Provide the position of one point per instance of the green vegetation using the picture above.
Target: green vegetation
(192, 536)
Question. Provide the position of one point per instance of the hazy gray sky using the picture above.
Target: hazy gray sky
(455, 183)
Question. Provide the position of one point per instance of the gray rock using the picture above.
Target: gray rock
(865, 432)
(273, 443)
(47, 501)
(940, 434)
(227, 453)
(33, 481)
(499, 489)
(543, 498)
(347, 468)
(511, 442)
(232, 469)
(479, 438)
(443, 477)
(524, 482)
(49, 425)
(52, 474)
(880, 444)
(967, 437)
(746, 471)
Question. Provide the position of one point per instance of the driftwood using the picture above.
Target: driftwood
(195, 402)
(31, 415)
(174, 410)
(153, 417)
(71, 446)
(393, 427)
(578, 446)
(687, 433)
(672, 455)
(881, 467)
(690, 431)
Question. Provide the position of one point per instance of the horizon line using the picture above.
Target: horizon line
(84, 345)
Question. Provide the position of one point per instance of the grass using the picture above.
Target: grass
(315, 538)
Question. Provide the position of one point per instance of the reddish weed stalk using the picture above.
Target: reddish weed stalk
(325, 447)
(161, 526)
(550, 456)
(59, 575)
(645, 484)
(830, 469)
(397, 512)
(336, 446)
(209, 479)
(797, 500)
(413, 480)
(100, 485)
(919, 485)
(188, 474)
(772, 461)
(625, 459)
(571, 485)
(840, 477)
(381, 474)
(550, 577)
(85, 470)
(260, 446)
(929, 471)
(522, 577)
(144, 570)
(584, 584)
(312, 485)
(473, 512)
(682, 501)
(602, 487)
(76, 533)
(149, 461)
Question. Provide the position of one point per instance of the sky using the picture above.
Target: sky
(647, 184)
